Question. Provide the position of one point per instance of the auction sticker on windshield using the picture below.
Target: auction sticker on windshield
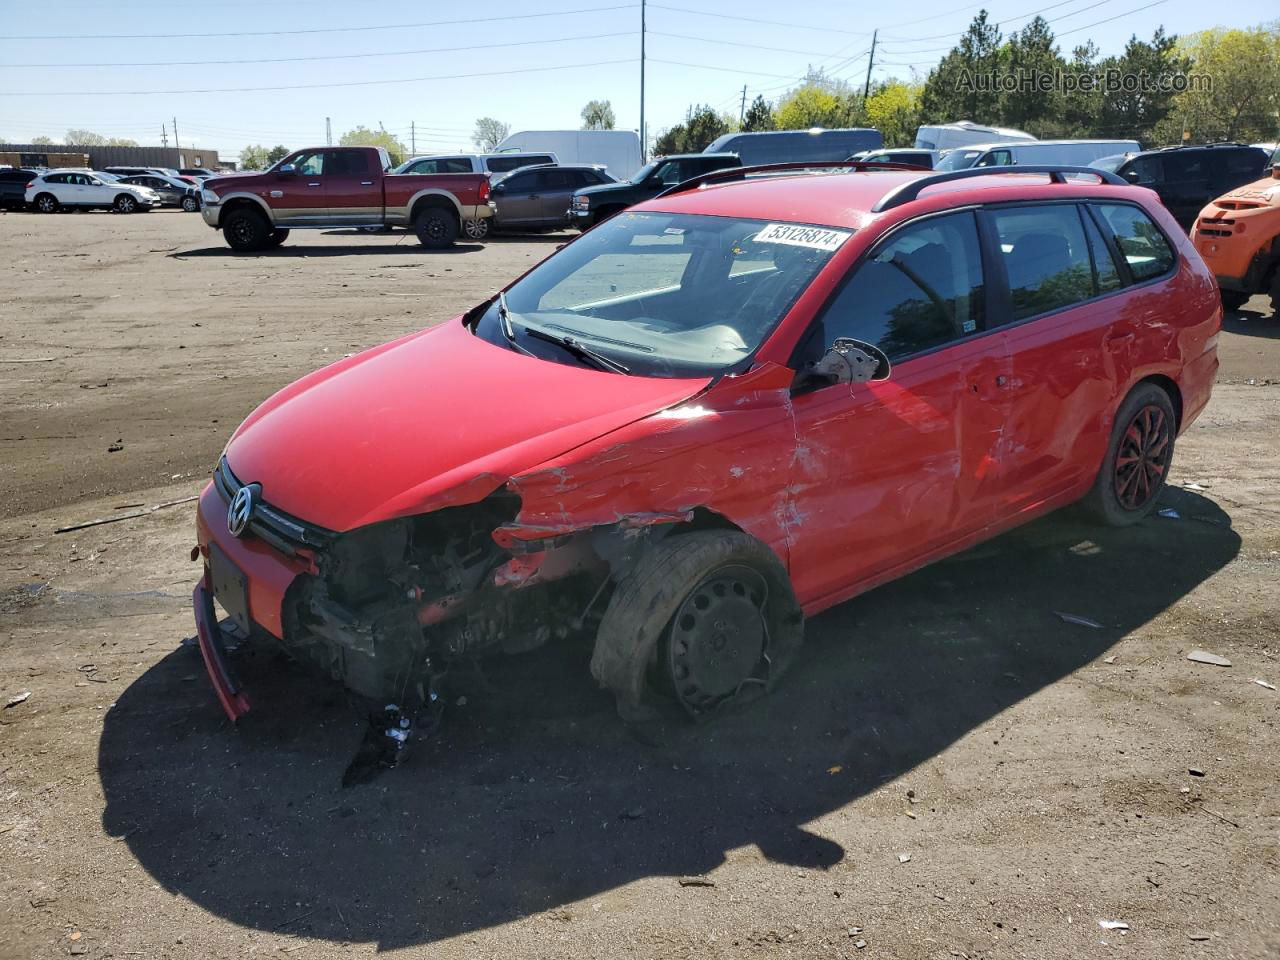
(816, 238)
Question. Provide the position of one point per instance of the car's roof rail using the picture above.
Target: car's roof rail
(733, 173)
(909, 191)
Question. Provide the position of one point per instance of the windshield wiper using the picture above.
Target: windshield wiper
(504, 324)
(579, 350)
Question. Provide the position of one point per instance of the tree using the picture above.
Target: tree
(701, 126)
(955, 88)
(276, 154)
(810, 106)
(893, 108)
(1029, 56)
(43, 141)
(254, 157)
(86, 138)
(1138, 111)
(759, 116)
(1082, 105)
(489, 133)
(597, 115)
(364, 137)
(1243, 102)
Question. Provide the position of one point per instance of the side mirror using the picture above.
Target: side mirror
(288, 170)
(853, 361)
(1131, 176)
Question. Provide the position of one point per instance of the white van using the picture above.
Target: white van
(948, 136)
(474, 162)
(1077, 153)
(616, 150)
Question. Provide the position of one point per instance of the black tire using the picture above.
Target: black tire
(45, 203)
(637, 644)
(436, 227)
(477, 230)
(1136, 465)
(246, 230)
(125, 203)
(277, 237)
(190, 204)
(1234, 299)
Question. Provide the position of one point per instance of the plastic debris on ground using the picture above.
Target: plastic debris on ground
(1263, 683)
(1113, 925)
(1110, 659)
(904, 858)
(1203, 656)
(1077, 620)
(17, 699)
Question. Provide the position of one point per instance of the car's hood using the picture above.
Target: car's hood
(437, 417)
(607, 188)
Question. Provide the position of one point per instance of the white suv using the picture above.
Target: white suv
(49, 192)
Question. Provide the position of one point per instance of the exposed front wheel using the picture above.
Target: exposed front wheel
(245, 230)
(476, 229)
(190, 204)
(436, 228)
(126, 203)
(1136, 466)
(46, 203)
(708, 618)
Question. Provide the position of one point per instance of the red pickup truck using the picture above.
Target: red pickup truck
(324, 187)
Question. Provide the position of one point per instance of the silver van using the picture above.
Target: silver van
(1078, 153)
(475, 162)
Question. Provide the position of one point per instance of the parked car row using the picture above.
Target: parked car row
(118, 188)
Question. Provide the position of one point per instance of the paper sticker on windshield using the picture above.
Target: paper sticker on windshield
(816, 238)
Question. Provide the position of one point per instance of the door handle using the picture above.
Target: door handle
(366, 183)
(313, 184)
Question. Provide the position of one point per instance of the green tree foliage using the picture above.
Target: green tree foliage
(1029, 54)
(254, 157)
(598, 115)
(1244, 102)
(1137, 113)
(43, 141)
(702, 125)
(952, 90)
(810, 106)
(759, 116)
(364, 137)
(88, 138)
(276, 154)
(893, 108)
(489, 133)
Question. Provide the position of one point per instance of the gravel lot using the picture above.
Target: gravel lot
(1037, 773)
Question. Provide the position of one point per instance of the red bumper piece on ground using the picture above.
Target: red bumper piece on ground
(225, 685)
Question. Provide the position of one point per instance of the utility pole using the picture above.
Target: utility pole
(742, 112)
(176, 145)
(328, 133)
(164, 135)
(413, 138)
(644, 140)
(866, 89)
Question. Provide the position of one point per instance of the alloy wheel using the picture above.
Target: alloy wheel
(1143, 457)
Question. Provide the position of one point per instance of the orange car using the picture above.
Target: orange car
(1239, 237)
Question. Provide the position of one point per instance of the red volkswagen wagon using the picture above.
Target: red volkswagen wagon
(725, 410)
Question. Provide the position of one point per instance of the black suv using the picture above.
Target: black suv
(594, 204)
(1186, 178)
(13, 187)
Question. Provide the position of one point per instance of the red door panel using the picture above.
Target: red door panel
(353, 186)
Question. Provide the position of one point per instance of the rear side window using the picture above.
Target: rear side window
(1140, 241)
(1244, 165)
(346, 163)
(921, 289)
(1192, 165)
(1106, 275)
(1045, 257)
(1145, 170)
(506, 164)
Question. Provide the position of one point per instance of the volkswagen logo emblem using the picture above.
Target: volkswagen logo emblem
(240, 511)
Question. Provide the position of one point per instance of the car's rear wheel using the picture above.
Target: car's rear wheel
(46, 203)
(436, 227)
(476, 229)
(126, 203)
(1136, 465)
(277, 237)
(245, 230)
(190, 204)
(707, 617)
(1234, 299)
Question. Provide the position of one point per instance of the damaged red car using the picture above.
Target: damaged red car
(730, 407)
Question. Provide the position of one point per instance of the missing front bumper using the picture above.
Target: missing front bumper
(209, 635)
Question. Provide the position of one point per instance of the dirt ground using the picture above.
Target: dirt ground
(1041, 776)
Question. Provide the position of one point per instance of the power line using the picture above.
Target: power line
(704, 66)
(308, 86)
(734, 43)
(338, 56)
(1004, 20)
(1109, 19)
(771, 23)
(469, 21)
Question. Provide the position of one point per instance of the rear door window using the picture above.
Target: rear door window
(1106, 275)
(1243, 166)
(1046, 257)
(921, 289)
(346, 163)
(1145, 170)
(1191, 165)
(1144, 247)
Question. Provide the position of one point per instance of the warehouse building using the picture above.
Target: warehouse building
(46, 154)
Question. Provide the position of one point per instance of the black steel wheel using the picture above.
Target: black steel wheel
(436, 227)
(245, 230)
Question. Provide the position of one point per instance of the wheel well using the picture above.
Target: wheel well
(241, 203)
(705, 519)
(438, 202)
(1171, 388)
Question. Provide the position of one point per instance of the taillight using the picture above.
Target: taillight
(31, 184)
(484, 190)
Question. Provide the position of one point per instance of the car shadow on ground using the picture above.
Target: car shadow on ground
(535, 796)
(370, 247)
(1252, 322)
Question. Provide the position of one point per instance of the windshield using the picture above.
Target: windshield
(666, 295)
(958, 160)
(1109, 164)
(641, 175)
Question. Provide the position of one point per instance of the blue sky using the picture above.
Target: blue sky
(456, 72)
